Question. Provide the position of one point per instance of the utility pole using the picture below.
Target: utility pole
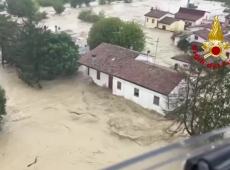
(157, 41)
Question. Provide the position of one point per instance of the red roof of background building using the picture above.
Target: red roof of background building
(189, 14)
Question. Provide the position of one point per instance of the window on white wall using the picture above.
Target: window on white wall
(147, 19)
(98, 75)
(156, 100)
(196, 37)
(153, 20)
(119, 85)
(136, 92)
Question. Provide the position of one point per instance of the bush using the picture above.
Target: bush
(2, 7)
(45, 3)
(40, 16)
(58, 6)
(102, 2)
(128, 1)
(2, 103)
(89, 16)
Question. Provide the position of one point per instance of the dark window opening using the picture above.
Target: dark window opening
(196, 37)
(98, 75)
(119, 85)
(153, 20)
(227, 54)
(156, 100)
(136, 92)
(88, 71)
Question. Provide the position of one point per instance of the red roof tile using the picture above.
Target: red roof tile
(156, 13)
(189, 14)
(168, 20)
(121, 63)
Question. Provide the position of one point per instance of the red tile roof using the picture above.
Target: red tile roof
(156, 13)
(189, 14)
(183, 58)
(168, 20)
(121, 63)
(202, 33)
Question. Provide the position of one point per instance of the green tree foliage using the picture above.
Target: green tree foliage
(184, 45)
(90, 16)
(115, 31)
(75, 3)
(22, 8)
(45, 3)
(58, 6)
(2, 103)
(205, 105)
(39, 54)
(8, 30)
(131, 35)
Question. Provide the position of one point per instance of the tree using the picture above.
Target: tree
(115, 31)
(90, 16)
(8, 30)
(75, 3)
(2, 103)
(22, 8)
(132, 36)
(40, 54)
(206, 103)
(58, 6)
(184, 45)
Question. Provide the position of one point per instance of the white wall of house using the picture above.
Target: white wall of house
(195, 38)
(151, 22)
(177, 26)
(104, 78)
(145, 98)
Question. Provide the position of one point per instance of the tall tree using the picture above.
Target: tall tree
(115, 31)
(2, 103)
(8, 30)
(58, 6)
(22, 8)
(206, 103)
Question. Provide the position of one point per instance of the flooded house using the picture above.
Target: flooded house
(156, 18)
(191, 16)
(171, 24)
(132, 75)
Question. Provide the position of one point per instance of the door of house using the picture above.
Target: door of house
(164, 27)
(111, 82)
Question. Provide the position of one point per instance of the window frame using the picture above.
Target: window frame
(156, 98)
(119, 85)
(98, 75)
(136, 92)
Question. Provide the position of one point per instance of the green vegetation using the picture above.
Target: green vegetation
(90, 16)
(22, 8)
(58, 6)
(115, 31)
(2, 103)
(37, 53)
(206, 101)
(75, 3)
(45, 3)
(184, 45)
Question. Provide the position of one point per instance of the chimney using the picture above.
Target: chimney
(94, 59)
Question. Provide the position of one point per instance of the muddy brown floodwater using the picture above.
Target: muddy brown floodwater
(73, 124)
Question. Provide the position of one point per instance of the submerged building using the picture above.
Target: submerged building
(133, 75)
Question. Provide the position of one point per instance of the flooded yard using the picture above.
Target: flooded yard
(73, 124)
(68, 21)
